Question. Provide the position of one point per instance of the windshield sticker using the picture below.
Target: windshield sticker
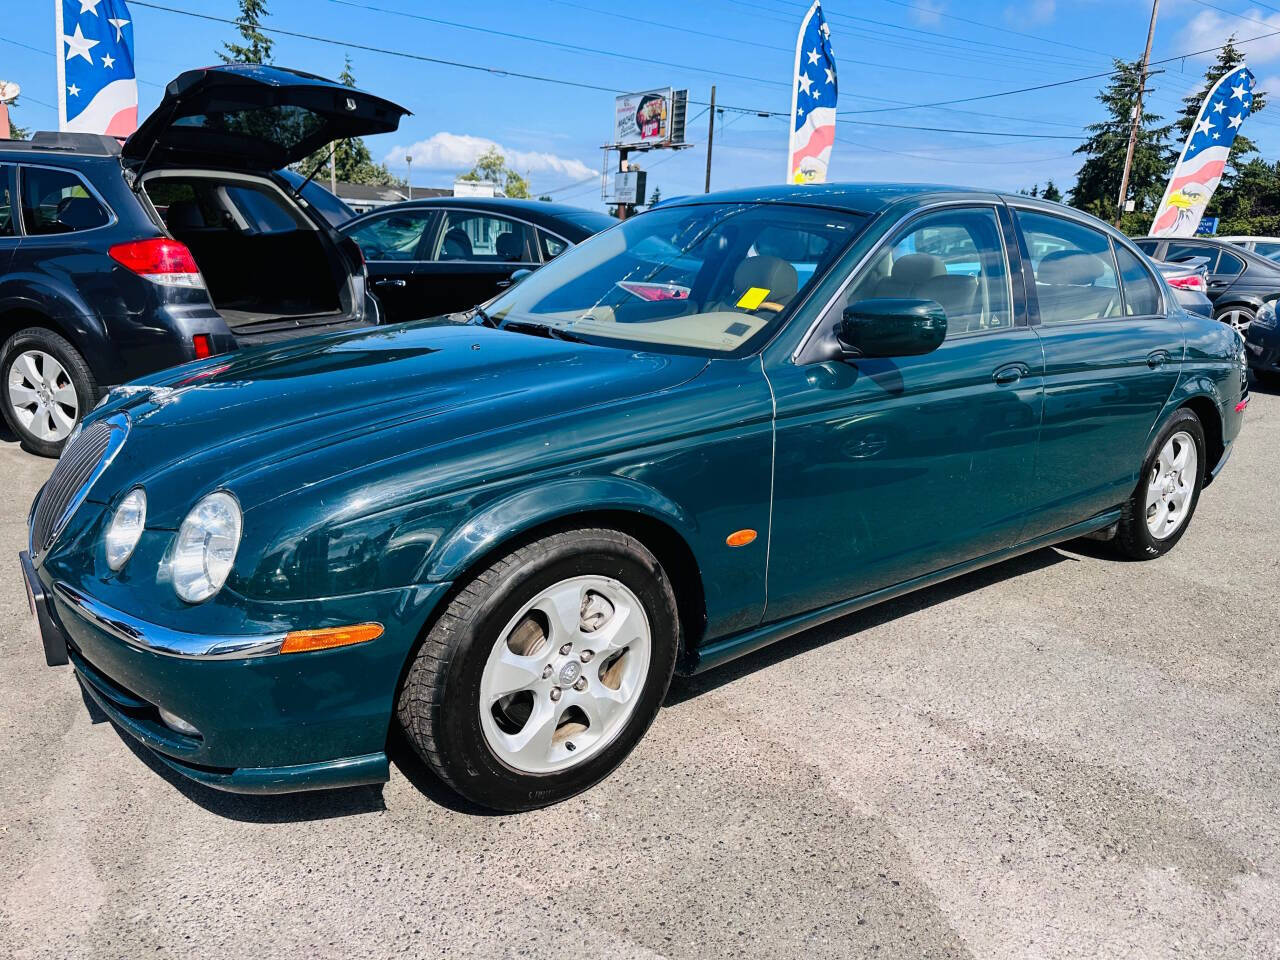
(752, 299)
(655, 291)
(736, 329)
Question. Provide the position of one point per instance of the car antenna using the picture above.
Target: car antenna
(297, 191)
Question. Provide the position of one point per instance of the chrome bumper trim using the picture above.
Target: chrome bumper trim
(157, 639)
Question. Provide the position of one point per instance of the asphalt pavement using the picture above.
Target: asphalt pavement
(1062, 756)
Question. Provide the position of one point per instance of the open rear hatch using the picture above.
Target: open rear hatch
(207, 157)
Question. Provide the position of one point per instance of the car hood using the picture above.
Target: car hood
(268, 420)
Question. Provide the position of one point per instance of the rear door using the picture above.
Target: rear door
(472, 257)
(393, 243)
(1112, 357)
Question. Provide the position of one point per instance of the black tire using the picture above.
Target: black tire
(438, 706)
(77, 371)
(1133, 537)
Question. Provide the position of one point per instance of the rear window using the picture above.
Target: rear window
(58, 201)
(283, 126)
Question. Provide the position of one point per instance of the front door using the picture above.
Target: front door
(1112, 359)
(888, 469)
(392, 244)
(472, 258)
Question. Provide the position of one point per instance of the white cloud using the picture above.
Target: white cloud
(1208, 28)
(1032, 12)
(457, 152)
(1270, 85)
(928, 11)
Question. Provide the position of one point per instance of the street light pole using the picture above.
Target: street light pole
(711, 134)
(1137, 115)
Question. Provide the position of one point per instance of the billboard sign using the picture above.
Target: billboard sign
(652, 118)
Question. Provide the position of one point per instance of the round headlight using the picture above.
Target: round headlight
(126, 527)
(206, 547)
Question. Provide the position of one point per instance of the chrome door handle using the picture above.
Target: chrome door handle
(1010, 373)
(1157, 358)
(388, 283)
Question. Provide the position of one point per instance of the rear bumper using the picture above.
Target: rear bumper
(256, 722)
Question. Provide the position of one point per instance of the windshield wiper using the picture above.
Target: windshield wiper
(543, 329)
(488, 321)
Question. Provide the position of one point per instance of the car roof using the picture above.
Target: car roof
(1237, 239)
(52, 141)
(499, 205)
(855, 197)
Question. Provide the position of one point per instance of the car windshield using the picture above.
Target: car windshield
(704, 278)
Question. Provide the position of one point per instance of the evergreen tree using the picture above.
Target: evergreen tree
(1052, 193)
(655, 197)
(1098, 181)
(1229, 58)
(257, 45)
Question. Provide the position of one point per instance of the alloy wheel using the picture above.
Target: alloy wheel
(1238, 319)
(1171, 485)
(42, 397)
(565, 674)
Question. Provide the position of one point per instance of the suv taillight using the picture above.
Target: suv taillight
(160, 260)
(1191, 282)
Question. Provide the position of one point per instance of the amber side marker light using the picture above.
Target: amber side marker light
(300, 641)
(740, 538)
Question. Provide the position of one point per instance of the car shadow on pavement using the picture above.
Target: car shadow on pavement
(686, 688)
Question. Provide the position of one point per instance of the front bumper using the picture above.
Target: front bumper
(1262, 348)
(263, 722)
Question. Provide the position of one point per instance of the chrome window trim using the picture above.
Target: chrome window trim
(503, 216)
(90, 189)
(154, 638)
(119, 424)
(888, 235)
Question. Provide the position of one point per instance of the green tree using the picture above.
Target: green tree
(1229, 58)
(352, 158)
(1051, 192)
(256, 47)
(1098, 180)
(1250, 202)
(491, 166)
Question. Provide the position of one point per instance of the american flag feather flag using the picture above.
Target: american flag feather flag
(98, 88)
(813, 101)
(1204, 156)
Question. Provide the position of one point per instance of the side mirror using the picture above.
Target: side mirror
(516, 277)
(892, 328)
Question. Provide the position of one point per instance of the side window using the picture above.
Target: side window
(484, 238)
(57, 201)
(1141, 296)
(955, 258)
(1075, 271)
(7, 228)
(1185, 251)
(551, 246)
(1267, 249)
(1229, 265)
(394, 236)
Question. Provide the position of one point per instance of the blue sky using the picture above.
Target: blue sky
(890, 52)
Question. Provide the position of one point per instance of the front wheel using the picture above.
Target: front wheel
(1238, 318)
(544, 671)
(1158, 512)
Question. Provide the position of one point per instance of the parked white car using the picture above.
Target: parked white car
(1268, 247)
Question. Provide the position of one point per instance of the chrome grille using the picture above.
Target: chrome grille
(81, 464)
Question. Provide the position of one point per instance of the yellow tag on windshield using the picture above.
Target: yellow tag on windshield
(753, 298)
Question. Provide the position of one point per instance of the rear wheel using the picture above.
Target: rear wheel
(1238, 317)
(1158, 512)
(45, 388)
(544, 671)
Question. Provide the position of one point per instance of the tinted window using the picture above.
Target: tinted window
(1267, 248)
(1178, 252)
(954, 258)
(394, 236)
(552, 247)
(1141, 296)
(485, 238)
(1147, 246)
(57, 201)
(1229, 264)
(1075, 272)
(6, 205)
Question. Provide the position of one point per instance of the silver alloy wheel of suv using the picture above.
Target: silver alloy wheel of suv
(42, 397)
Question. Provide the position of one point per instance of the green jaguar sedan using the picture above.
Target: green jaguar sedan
(705, 429)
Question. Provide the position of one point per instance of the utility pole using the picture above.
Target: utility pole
(711, 134)
(333, 170)
(1137, 114)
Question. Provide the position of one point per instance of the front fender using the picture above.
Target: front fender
(512, 516)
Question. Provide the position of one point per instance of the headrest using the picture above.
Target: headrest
(917, 267)
(80, 213)
(770, 273)
(510, 247)
(1070, 267)
(183, 214)
(456, 245)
